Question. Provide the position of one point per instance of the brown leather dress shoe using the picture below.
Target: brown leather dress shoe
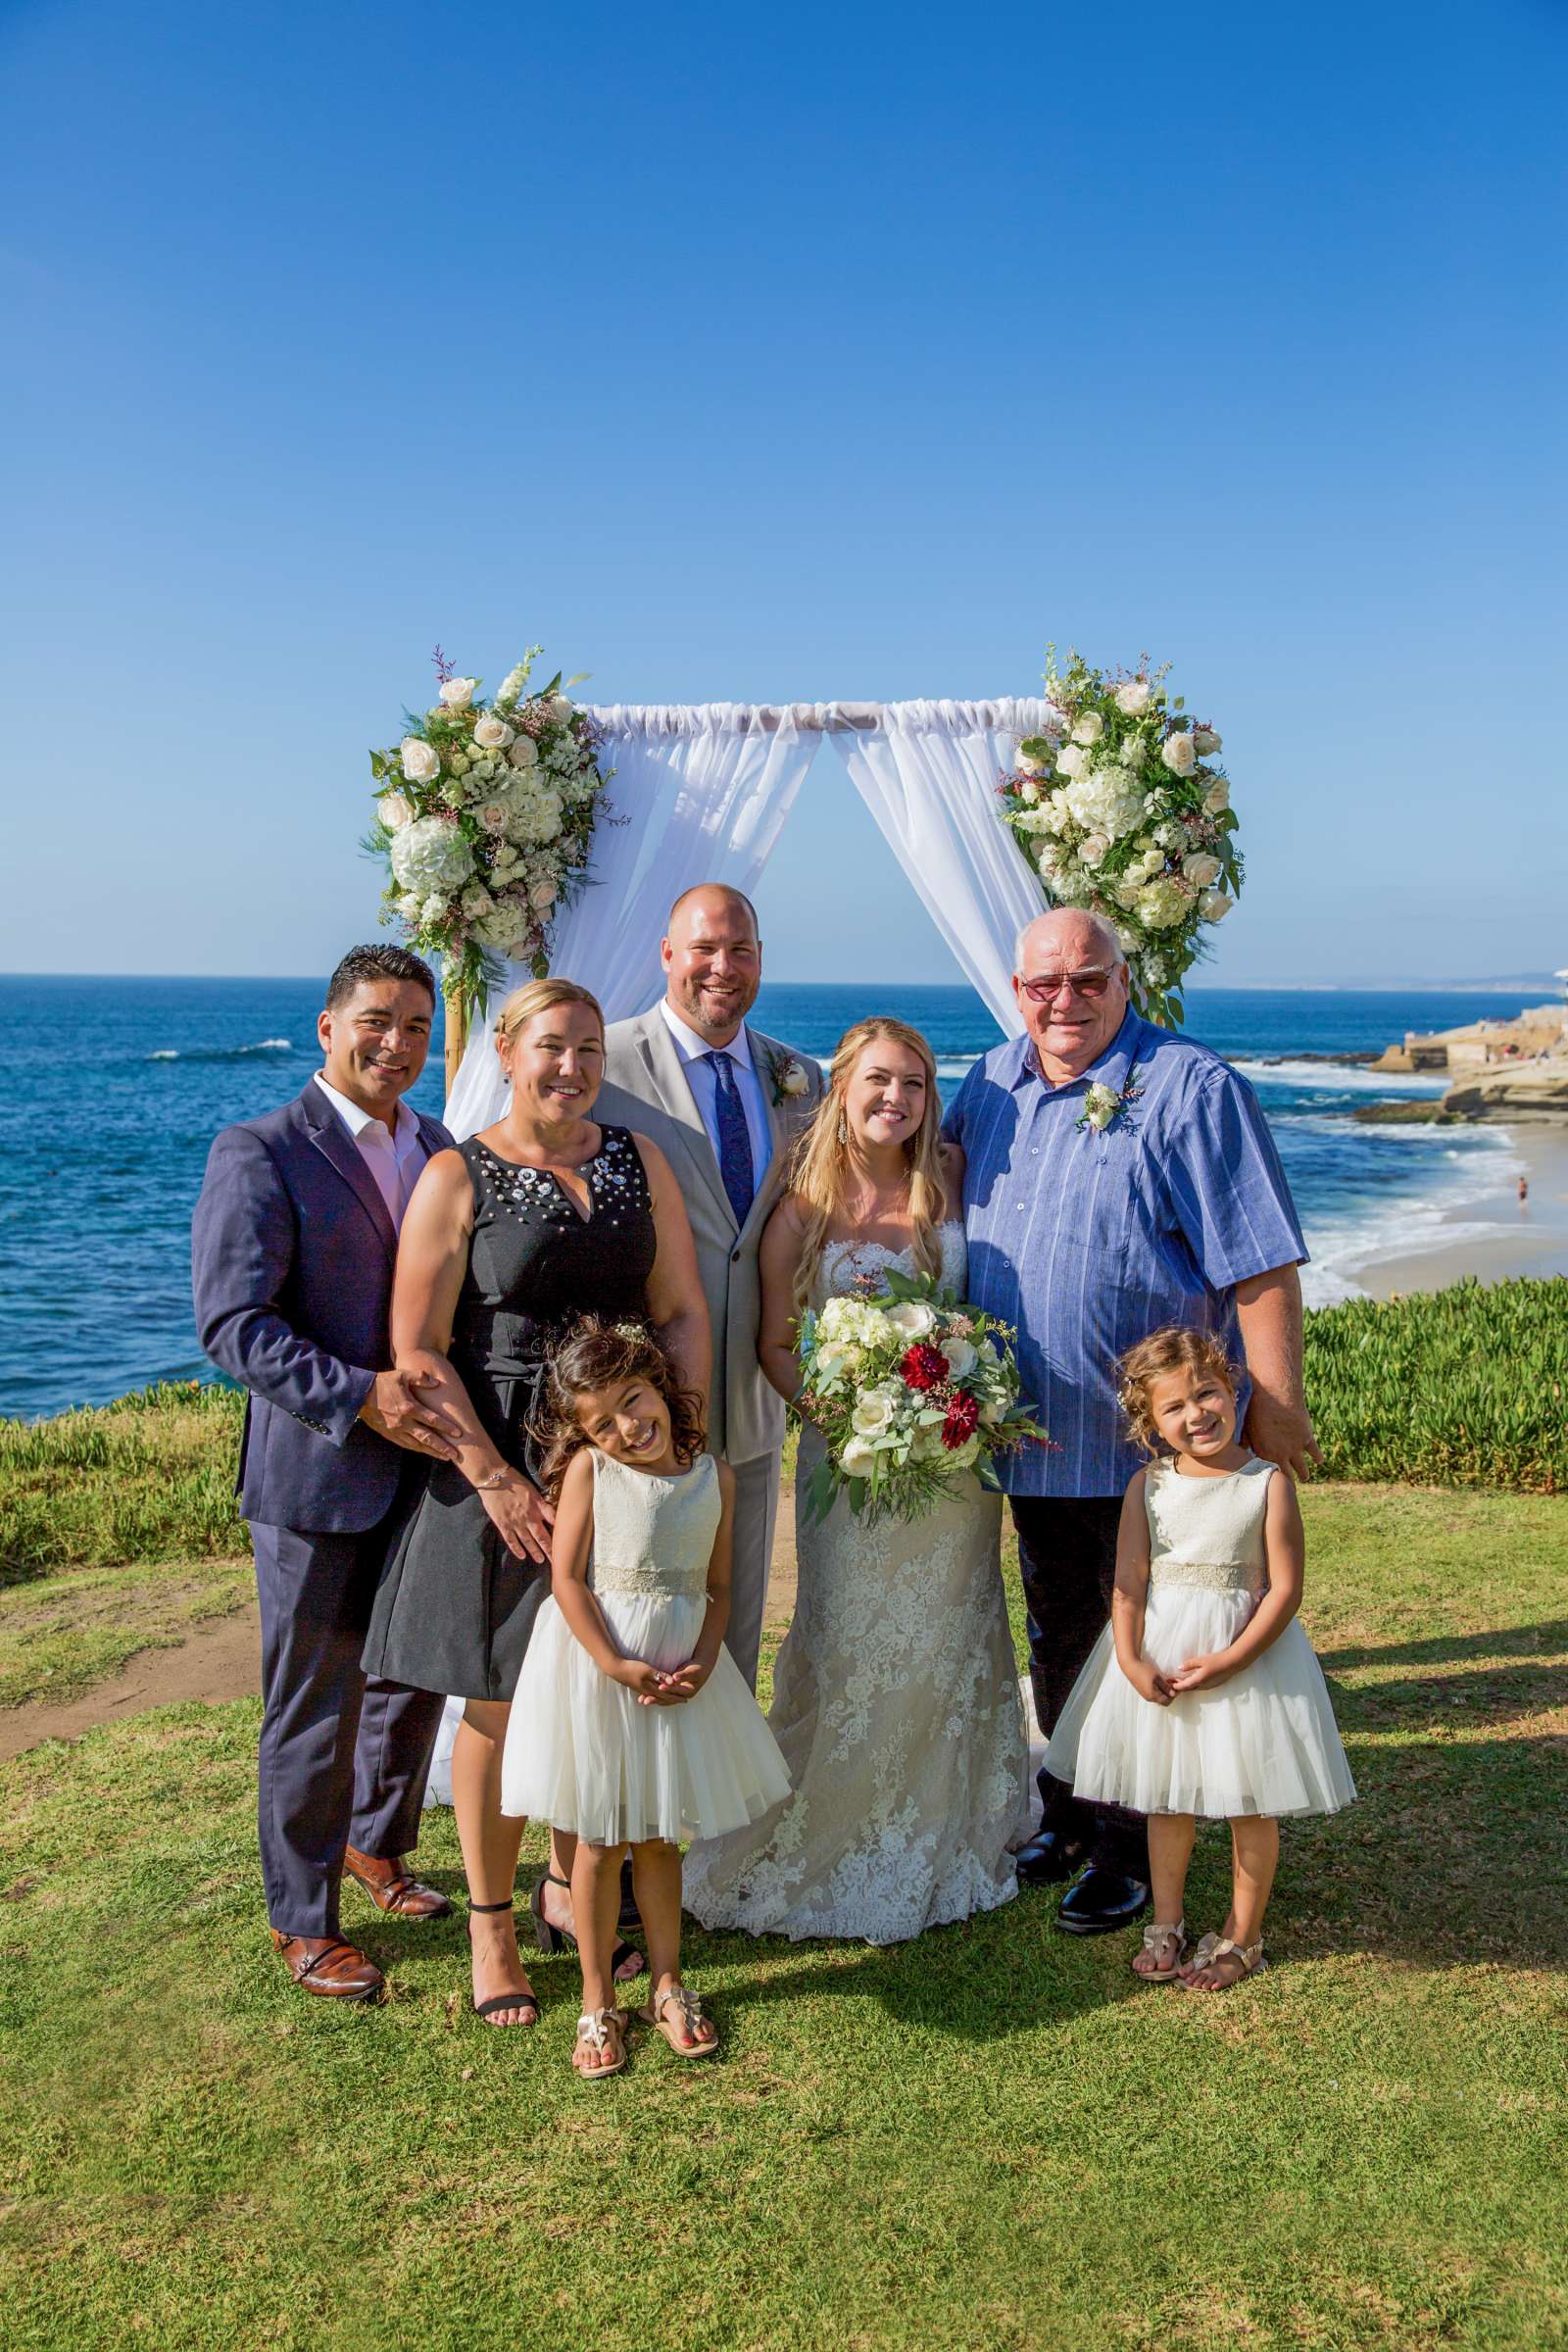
(326, 1965)
(390, 1887)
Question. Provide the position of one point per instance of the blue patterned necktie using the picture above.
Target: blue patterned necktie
(734, 1138)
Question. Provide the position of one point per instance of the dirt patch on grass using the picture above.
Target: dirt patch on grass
(221, 1661)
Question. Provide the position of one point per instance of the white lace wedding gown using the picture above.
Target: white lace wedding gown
(895, 1705)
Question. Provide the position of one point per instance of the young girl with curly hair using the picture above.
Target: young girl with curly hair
(632, 1725)
(1202, 1697)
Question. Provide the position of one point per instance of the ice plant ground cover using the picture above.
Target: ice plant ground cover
(911, 1391)
(1119, 808)
(899, 2147)
(485, 815)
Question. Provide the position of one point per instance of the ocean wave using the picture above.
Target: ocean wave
(262, 1045)
(1346, 1245)
(956, 1065)
(1338, 1077)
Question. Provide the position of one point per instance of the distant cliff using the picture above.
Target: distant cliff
(1535, 1091)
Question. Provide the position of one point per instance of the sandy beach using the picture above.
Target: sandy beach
(1497, 1236)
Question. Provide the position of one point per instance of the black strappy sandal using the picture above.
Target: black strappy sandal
(551, 1938)
(503, 2001)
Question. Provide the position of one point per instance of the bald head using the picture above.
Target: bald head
(1070, 933)
(712, 960)
(1070, 981)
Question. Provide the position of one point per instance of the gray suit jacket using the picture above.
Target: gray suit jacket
(645, 1089)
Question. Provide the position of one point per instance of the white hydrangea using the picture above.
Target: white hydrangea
(1108, 800)
(431, 856)
(535, 815)
(434, 908)
(1162, 905)
(1133, 752)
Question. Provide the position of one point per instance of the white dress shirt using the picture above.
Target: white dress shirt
(395, 1160)
(703, 1083)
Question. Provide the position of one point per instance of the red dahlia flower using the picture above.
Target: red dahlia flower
(961, 1421)
(924, 1367)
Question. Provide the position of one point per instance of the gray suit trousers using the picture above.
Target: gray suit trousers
(757, 1486)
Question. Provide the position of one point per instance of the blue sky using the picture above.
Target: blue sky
(848, 351)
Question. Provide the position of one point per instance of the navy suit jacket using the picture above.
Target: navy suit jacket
(292, 1251)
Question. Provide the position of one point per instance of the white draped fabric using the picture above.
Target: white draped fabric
(700, 795)
(929, 776)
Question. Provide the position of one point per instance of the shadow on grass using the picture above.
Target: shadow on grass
(1443, 1649)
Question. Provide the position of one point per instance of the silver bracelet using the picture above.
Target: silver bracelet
(497, 1478)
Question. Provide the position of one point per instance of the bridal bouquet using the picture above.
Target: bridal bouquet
(484, 815)
(911, 1390)
(1119, 807)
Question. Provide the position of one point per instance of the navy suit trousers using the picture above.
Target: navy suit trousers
(343, 1757)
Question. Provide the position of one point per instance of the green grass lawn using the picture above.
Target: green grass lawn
(990, 2137)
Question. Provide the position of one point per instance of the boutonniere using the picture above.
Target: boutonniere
(788, 1077)
(1104, 1106)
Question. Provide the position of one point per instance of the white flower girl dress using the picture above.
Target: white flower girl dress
(582, 1752)
(1264, 1743)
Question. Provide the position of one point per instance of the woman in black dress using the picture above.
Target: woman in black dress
(537, 1220)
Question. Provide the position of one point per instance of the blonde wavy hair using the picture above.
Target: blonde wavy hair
(1172, 1349)
(819, 1171)
(539, 996)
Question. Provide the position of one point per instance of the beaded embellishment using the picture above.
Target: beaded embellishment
(615, 1183)
(1209, 1576)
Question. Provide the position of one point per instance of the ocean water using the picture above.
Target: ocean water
(112, 1090)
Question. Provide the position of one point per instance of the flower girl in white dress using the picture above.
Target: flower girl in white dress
(632, 1725)
(1202, 1697)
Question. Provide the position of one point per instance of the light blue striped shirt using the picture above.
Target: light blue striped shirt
(1088, 1242)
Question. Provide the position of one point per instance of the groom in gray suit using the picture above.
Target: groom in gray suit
(725, 1104)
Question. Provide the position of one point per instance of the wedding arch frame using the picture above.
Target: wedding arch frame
(701, 793)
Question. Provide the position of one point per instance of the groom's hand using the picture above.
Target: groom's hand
(395, 1411)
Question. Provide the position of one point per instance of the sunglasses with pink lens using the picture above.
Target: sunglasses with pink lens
(1049, 985)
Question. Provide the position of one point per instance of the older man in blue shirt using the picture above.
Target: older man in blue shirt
(1087, 1237)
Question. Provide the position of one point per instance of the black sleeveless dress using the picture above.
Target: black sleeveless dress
(455, 1608)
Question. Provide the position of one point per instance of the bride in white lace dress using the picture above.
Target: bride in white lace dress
(895, 1694)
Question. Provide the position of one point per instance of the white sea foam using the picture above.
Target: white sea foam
(262, 1045)
(1338, 1077)
(1464, 1175)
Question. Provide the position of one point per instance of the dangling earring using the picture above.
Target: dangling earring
(843, 1129)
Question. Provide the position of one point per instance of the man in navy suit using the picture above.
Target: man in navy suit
(292, 1247)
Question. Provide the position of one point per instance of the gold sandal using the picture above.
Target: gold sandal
(1211, 1950)
(1158, 1936)
(600, 2030)
(691, 2017)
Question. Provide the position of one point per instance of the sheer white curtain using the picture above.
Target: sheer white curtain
(929, 773)
(700, 795)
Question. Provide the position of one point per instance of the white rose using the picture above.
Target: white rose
(1202, 869)
(543, 894)
(1028, 788)
(410, 905)
(1093, 847)
(912, 1319)
(992, 1412)
(1088, 728)
(966, 1455)
(458, 692)
(1178, 755)
(1028, 765)
(559, 707)
(872, 1416)
(420, 760)
(524, 752)
(493, 815)
(960, 1355)
(492, 733)
(1134, 750)
(858, 1460)
(434, 908)
(1206, 741)
(1134, 697)
(1215, 906)
(1218, 797)
(791, 1081)
(394, 810)
(1074, 760)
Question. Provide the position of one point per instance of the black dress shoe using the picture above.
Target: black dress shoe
(1048, 1859)
(1102, 1901)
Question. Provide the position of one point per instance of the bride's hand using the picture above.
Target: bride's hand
(521, 1516)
